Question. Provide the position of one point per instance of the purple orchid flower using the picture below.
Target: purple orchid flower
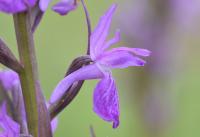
(105, 99)
(13, 6)
(10, 127)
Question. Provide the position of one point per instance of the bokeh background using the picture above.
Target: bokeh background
(161, 99)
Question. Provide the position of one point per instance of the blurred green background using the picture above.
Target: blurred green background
(59, 40)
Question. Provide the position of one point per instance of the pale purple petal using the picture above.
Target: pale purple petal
(100, 33)
(18, 104)
(54, 124)
(87, 72)
(140, 52)
(106, 101)
(111, 42)
(136, 51)
(10, 82)
(64, 6)
(14, 6)
(44, 4)
(8, 79)
(10, 127)
(120, 59)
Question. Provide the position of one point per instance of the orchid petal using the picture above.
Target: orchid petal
(44, 4)
(10, 82)
(64, 7)
(141, 52)
(85, 73)
(18, 104)
(54, 124)
(136, 51)
(120, 59)
(15, 6)
(8, 79)
(111, 42)
(106, 101)
(100, 33)
(10, 127)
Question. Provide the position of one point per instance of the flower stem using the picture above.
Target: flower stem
(87, 16)
(27, 76)
(34, 101)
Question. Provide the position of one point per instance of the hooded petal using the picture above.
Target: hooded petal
(87, 72)
(106, 101)
(65, 6)
(100, 33)
(8, 79)
(10, 127)
(14, 6)
(119, 59)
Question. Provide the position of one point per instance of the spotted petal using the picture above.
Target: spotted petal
(106, 102)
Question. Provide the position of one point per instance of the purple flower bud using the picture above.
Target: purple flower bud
(65, 6)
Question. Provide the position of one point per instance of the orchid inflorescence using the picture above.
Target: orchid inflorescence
(20, 85)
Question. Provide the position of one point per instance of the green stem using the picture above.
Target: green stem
(28, 76)
(38, 117)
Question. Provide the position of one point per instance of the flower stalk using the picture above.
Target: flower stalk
(92, 132)
(28, 75)
(34, 101)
